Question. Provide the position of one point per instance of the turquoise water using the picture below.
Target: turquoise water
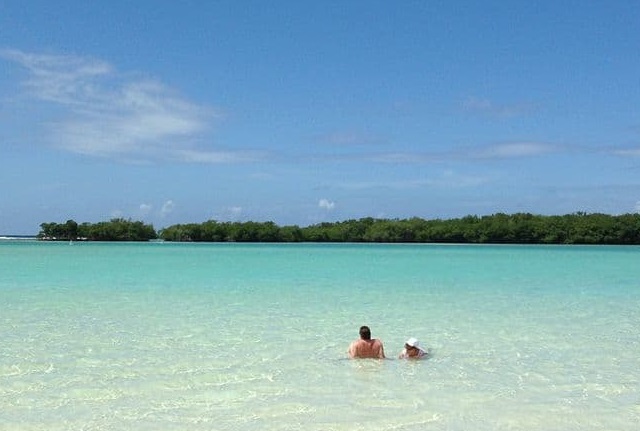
(161, 336)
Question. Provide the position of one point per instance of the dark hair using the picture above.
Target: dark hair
(365, 333)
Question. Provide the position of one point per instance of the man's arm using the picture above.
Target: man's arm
(381, 353)
(352, 350)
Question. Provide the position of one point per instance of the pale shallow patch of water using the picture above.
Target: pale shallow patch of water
(202, 337)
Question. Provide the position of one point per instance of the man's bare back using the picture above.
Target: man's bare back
(366, 347)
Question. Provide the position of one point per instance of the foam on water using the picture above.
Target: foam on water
(230, 336)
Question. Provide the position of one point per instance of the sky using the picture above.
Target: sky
(305, 112)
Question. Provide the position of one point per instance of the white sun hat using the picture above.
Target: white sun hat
(413, 342)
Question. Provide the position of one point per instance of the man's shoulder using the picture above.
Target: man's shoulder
(359, 343)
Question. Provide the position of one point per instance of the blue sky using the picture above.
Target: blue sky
(302, 112)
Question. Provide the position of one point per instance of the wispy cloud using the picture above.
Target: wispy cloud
(232, 213)
(60, 79)
(492, 109)
(403, 157)
(450, 179)
(197, 156)
(116, 213)
(507, 150)
(447, 179)
(627, 152)
(144, 209)
(167, 208)
(326, 204)
(351, 138)
(115, 115)
(513, 150)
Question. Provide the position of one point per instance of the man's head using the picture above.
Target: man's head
(365, 333)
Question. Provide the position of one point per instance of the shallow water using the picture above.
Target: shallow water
(227, 336)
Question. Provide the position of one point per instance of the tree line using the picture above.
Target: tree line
(116, 229)
(519, 228)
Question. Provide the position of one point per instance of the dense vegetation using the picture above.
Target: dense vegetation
(578, 228)
(114, 230)
(520, 228)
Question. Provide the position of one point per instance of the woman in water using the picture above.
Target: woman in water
(412, 350)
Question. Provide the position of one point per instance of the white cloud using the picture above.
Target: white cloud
(454, 180)
(67, 80)
(489, 108)
(515, 149)
(498, 151)
(349, 138)
(195, 156)
(121, 116)
(232, 213)
(629, 152)
(475, 104)
(637, 207)
(326, 204)
(144, 209)
(446, 180)
(402, 158)
(261, 176)
(167, 208)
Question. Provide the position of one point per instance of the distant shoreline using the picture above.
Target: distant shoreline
(500, 228)
(17, 237)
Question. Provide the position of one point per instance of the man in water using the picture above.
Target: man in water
(365, 347)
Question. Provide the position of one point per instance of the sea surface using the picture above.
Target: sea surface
(163, 336)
